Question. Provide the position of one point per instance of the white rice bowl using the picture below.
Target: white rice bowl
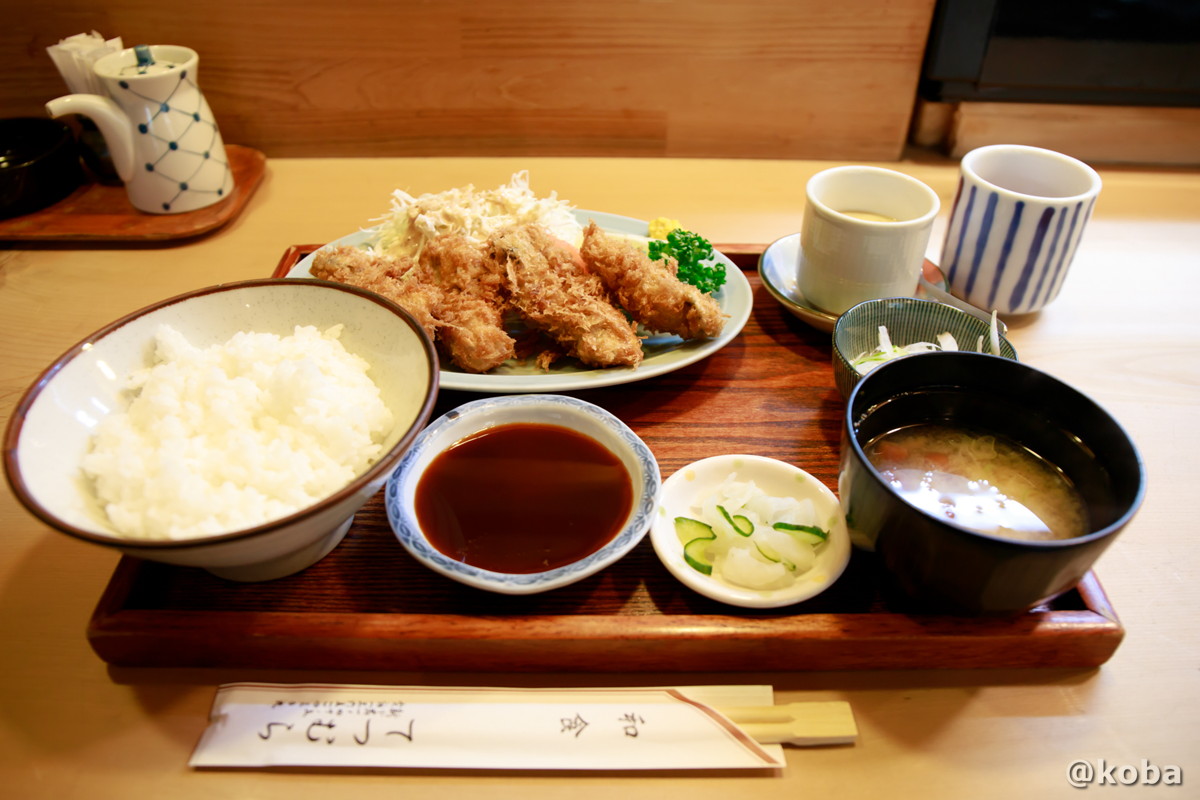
(54, 425)
(236, 434)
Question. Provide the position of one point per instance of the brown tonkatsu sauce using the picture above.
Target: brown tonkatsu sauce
(523, 498)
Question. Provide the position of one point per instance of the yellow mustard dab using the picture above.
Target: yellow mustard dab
(661, 226)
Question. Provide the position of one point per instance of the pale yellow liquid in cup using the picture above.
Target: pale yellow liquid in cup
(868, 216)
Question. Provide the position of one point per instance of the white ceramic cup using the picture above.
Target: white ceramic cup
(864, 236)
(1017, 219)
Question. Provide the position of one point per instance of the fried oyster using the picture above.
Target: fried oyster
(473, 297)
(553, 291)
(648, 289)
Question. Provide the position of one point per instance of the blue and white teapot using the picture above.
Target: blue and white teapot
(163, 138)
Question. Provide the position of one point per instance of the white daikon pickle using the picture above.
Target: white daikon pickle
(758, 541)
(741, 567)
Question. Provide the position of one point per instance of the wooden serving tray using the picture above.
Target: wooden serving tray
(97, 212)
(369, 606)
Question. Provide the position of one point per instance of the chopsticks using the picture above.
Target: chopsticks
(803, 724)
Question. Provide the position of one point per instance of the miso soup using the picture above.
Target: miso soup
(980, 481)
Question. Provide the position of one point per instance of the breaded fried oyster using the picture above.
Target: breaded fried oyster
(648, 289)
(398, 279)
(474, 299)
(551, 290)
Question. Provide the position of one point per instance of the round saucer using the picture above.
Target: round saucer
(777, 269)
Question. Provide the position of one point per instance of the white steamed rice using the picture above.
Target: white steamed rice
(231, 436)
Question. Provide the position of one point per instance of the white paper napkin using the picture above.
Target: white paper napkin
(75, 56)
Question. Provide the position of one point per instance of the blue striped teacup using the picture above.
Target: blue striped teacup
(1018, 216)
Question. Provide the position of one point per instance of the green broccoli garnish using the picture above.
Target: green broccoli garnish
(694, 255)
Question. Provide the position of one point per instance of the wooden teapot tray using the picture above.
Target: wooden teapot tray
(369, 606)
(98, 212)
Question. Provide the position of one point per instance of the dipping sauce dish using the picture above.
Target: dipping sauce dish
(562, 490)
(523, 497)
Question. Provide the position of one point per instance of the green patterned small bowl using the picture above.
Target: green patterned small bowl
(908, 320)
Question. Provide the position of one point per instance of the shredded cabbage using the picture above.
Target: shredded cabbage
(415, 221)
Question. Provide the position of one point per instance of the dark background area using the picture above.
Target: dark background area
(1116, 52)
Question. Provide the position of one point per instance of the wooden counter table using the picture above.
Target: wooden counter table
(1125, 330)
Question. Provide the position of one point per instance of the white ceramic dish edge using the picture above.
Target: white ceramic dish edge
(774, 477)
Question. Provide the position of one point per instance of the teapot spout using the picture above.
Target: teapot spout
(113, 123)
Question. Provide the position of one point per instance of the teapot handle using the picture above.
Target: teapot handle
(113, 123)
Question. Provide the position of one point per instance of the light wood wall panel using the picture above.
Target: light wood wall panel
(1113, 134)
(699, 78)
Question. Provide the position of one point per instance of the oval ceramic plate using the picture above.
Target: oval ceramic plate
(777, 479)
(777, 269)
(664, 353)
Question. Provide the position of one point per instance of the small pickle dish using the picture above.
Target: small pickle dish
(750, 531)
(876, 331)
